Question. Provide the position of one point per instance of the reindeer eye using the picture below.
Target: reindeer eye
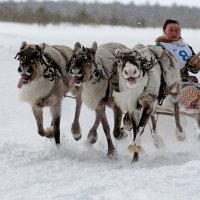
(118, 61)
(96, 73)
(72, 62)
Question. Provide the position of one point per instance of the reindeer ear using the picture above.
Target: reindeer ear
(137, 47)
(83, 48)
(23, 44)
(41, 46)
(94, 46)
(77, 46)
(117, 52)
(40, 49)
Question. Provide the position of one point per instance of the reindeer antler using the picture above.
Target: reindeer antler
(147, 64)
(124, 53)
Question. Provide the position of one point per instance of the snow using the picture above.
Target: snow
(31, 167)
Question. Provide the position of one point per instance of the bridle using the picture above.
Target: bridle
(135, 58)
(31, 55)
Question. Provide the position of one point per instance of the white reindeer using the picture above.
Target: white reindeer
(134, 67)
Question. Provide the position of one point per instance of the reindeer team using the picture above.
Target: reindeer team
(107, 75)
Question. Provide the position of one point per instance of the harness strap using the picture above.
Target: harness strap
(52, 67)
(105, 99)
(162, 89)
(41, 102)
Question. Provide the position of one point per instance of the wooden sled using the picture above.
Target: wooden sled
(189, 100)
(189, 103)
(187, 112)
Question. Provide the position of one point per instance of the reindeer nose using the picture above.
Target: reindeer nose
(19, 69)
(29, 70)
(135, 71)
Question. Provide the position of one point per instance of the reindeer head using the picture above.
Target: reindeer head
(82, 63)
(132, 66)
(128, 66)
(29, 63)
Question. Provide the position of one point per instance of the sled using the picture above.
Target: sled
(189, 101)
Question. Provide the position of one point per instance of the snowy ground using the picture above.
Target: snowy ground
(31, 167)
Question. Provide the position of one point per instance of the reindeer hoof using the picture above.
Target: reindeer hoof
(158, 141)
(180, 136)
(77, 137)
(76, 131)
(120, 134)
(112, 154)
(49, 133)
(135, 149)
(92, 137)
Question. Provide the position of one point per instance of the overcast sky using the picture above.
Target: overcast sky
(166, 2)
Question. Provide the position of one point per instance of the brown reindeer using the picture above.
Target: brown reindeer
(91, 69)
(43, 83)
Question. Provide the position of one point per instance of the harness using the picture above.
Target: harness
(162, 90)
(29, 56)
(52, 69)
(147, 65)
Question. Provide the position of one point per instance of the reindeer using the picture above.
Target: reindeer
(91, 69)
(133, 68)
(44, 82)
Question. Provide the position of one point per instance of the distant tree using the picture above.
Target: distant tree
(146, 15)
(82, 16)
(114, 17)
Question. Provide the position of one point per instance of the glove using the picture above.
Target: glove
(193, 63)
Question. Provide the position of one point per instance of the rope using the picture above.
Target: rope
(69, 96)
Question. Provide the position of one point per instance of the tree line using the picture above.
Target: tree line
(98, 13)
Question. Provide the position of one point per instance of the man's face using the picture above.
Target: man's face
(173, 32)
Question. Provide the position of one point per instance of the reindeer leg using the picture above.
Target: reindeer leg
(55, 129)
(118, 132)
(146, 113)
(158, 142)
(111, 153)
(75, 128)
(180, 135)
(38, 114)
(134, 127)
(197, 119)
(92, 135)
